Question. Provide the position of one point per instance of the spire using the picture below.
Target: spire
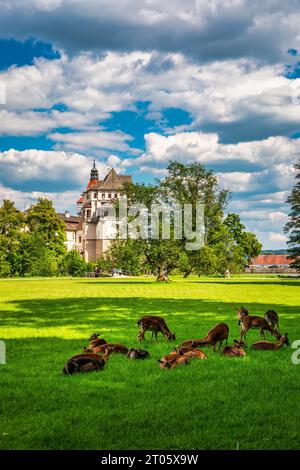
(94, 172)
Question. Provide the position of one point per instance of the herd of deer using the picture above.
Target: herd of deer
(98, 351)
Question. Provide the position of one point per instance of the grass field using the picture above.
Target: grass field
(213, 404)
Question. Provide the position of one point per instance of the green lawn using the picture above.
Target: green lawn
(209, 404)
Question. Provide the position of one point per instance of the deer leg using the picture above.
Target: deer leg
(220, 344)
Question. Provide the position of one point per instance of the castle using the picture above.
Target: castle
(87, 232)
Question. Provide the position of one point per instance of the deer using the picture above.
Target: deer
(237, 350)
(216, 335)
(86, 362)
(241, 312)
(270, 345)
(251, 321)
(172, 360)
(156, 325)
(111, 348)
(272, 318)
(137, 354)
(194, 353)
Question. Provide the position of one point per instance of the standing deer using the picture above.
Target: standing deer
(251, 321)
(272, 318)
(156, 325)
(270, 345)
(216, 335)
(241, 312)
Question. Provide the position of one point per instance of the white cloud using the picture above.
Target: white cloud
(45, 169)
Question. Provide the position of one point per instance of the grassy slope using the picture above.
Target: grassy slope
(207, 405)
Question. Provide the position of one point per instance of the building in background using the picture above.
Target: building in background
(91, 230)
(271, 263)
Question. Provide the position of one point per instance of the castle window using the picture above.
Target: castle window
(105, 213)
(88, 214)
(79, 239)
(109, 195)
(88, 196)
(103, 196)
(95, 195)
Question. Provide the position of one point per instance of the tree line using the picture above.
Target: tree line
(32, 242)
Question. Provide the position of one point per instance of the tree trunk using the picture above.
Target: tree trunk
(187, 273)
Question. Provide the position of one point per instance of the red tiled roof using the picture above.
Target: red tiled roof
(271, 259)
(91, 183)
(80, 200)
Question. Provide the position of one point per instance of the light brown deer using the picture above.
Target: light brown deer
(172, 360)
(272, 318)
(251, 321)
(270, 345)
(195, 353)
(216, 335)
(236, 350)
(156, 325)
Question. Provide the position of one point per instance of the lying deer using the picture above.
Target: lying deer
(252, 321)
(156, 325)
(86, 362)
(270, 345)
(137, 354)
(172, 360)
(194, 353)
(236, 350)
(216, 335)
(241, 312)
(272, 318)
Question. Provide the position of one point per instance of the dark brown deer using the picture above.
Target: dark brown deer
(156, 325)
(86, 362)
(137, 354)
(216, 335)
(272, 318)
(241, 312)
(111, 348)
(252, 321)
(270, 345)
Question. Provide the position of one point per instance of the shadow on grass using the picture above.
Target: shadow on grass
(80, 313)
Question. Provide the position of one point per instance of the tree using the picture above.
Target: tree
(34, 256)
(73, 264)
(11, 225)
(250, 245)
(246, 240)
(293, 226)
(42, 218)
(235, 227)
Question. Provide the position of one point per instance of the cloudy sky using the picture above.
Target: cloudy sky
(136, 83)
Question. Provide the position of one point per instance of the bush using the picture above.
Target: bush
(72, 264)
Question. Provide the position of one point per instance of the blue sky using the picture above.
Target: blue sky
(149, 82)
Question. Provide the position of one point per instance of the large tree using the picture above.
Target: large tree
(42, 218)
(184, 184)
(11, 225)
(293, 226)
